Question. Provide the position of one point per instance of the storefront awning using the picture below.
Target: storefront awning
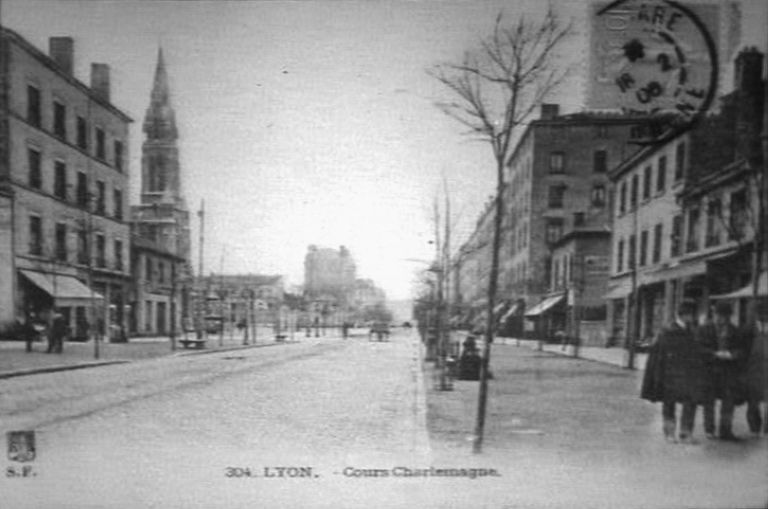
(619, 291)
(545, 305)
(66, 290)
(685, 269)
(511, 311)
(747, 291)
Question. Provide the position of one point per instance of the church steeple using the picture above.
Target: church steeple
(160, 119)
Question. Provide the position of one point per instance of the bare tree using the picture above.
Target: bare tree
(495, 89)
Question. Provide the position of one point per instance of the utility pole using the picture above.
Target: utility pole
(202, 297)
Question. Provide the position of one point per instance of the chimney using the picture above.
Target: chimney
(549, 111)
(61, 51)
(100, 80)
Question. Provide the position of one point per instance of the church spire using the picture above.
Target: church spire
(160, 89)
(160, 120)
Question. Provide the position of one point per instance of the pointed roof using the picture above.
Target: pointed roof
(160, 119)
(160, 89)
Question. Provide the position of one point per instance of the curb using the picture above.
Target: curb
(51, 369)
(421, 434)
(230, 348)
(84, 365)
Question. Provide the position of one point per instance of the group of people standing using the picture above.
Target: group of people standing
(697, 365)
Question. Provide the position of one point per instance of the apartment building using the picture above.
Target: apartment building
(64, 159)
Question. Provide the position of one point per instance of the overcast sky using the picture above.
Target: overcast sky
(300, 123)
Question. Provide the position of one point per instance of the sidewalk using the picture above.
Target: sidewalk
(16, 361)
(615, 356)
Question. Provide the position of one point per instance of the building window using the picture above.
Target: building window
(556, 162)
(101, 197)
(647, 183)
(737, 221)
(156, 173)
(60, 180)
(148, 316)
(623, 198)
(119, 254)
(35, 171)
(61, 242)
(160, 272)
(620, 256)
(101, 251)
(679, 161)
(35, 235)
(598, 195)
(148, 269)
(633, 192)
(578, 219)
(556, 196)
(601, 131)
(33, 106)
(117, 197)
(60, 120)
(600, 161)
(657, 237)
(643, 248)
(676, 236)
(714, 211)
(119, 155)
(692, 242)
(101, 144)
(82, 189)
(661, 175)
(82, 133)
(554, 229)
(82, 247)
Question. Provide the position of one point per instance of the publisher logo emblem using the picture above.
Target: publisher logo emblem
(21, 446)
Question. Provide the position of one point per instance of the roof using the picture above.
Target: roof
(49, 63)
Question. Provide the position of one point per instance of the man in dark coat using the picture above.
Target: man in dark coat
(675, 373)
(725, 351)
(56, 334)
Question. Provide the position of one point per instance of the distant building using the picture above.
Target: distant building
(161, 219)
(329, 274)
(243, 297)
(155, 288)
(64, 169)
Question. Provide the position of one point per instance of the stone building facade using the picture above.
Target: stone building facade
(64, 159)
(556, 182)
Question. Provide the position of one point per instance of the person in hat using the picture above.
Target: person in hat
(726, 350)
(675, 374)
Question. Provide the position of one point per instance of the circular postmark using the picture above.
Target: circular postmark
(661, 61)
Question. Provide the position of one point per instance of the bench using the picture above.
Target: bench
(193, 343)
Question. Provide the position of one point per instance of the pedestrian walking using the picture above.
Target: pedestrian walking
(675, 374)
(725, 351)
(26, 331)
(56, 334)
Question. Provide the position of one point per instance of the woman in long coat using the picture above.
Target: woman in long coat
(676, 373)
